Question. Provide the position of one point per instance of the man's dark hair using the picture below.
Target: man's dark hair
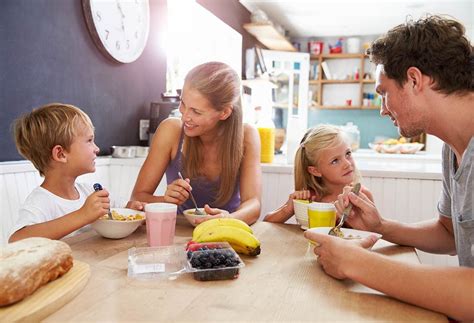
(436, 45)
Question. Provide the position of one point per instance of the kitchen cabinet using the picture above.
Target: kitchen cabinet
(269, 36)
(339, 81)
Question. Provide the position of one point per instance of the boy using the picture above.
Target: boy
(59, 140)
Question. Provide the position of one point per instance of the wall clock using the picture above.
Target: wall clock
(119, 28)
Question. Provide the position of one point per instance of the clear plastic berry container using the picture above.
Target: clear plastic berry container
(213, 261)
(206, 261)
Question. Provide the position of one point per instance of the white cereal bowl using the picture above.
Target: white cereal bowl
(191, 216)
(349, 234)
(301, 212)
(118, 229)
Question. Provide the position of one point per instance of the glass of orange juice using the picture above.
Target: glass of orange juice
(321, 215)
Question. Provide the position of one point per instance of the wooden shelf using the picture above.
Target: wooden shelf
(336, 107)
(337, 56)
(336, 82)
(318, 84)
(344, 107)
(269, 36)
(340, 81)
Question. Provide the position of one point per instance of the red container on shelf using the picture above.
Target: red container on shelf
(315, 47)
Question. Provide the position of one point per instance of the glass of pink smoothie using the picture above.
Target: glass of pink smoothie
(160, 223)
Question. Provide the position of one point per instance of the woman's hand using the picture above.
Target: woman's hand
(136, 205)
(214, 212)
(178, 191)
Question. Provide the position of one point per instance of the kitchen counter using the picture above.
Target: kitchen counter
(284, 283)
(372, 164)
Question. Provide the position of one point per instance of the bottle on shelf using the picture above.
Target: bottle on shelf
(353, 133)
(266, 130)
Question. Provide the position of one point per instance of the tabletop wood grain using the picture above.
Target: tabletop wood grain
(284, 283)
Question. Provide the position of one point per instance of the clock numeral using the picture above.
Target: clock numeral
(99, 16)
(107, 34)
(136, 34)
(128, 44)
(117, 45)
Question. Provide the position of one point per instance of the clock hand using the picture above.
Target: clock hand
(120, 9)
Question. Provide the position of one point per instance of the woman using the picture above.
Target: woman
(218, 155)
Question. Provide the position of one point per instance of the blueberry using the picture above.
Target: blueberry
(195, 262)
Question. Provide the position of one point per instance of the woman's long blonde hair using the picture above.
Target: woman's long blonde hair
(309, 152)
(220, 85)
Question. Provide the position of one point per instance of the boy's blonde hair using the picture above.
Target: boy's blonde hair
(37, 132)
(220, 85)
(309, 152)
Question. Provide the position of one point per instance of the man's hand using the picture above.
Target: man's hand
(364, 214)
(335, 253)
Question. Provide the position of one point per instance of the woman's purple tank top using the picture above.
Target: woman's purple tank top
(204, 191)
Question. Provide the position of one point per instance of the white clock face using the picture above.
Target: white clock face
(121, 26)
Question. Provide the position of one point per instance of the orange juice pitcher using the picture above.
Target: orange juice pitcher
(266, 130)
(267, 142)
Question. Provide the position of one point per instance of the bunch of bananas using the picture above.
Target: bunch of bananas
(236, 232)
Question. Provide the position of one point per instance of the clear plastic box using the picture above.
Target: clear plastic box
(207, 261)
(156, 262)
(213, 261)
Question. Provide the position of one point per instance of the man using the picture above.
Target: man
(425, 78)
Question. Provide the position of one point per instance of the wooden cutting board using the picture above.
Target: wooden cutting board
(49, 298)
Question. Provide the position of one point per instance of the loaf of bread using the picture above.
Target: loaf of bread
(28, 264)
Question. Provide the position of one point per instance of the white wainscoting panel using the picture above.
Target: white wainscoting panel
(407, 198)
(18, 179)
(275, 190)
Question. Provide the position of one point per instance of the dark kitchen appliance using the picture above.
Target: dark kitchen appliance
(161, 110)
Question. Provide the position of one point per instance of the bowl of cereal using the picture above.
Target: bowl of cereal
(123, 223)
(346, 233)
(191, 216)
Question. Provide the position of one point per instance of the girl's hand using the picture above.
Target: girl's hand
(297, 195)
(178, 191)
(96, 205)
(214, 212)
(136, 205)
(301, 195)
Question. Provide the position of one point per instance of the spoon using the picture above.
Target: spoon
(196, 210)
(98, 187)
(336, 231)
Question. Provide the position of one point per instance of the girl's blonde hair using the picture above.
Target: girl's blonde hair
(309, 152)
(37, 132)
(220, 85)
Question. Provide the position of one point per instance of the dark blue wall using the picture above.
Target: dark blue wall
(47, 55)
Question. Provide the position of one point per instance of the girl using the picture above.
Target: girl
(323, 167)
(217, 154)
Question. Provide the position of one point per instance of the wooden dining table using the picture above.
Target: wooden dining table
(283, 283)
